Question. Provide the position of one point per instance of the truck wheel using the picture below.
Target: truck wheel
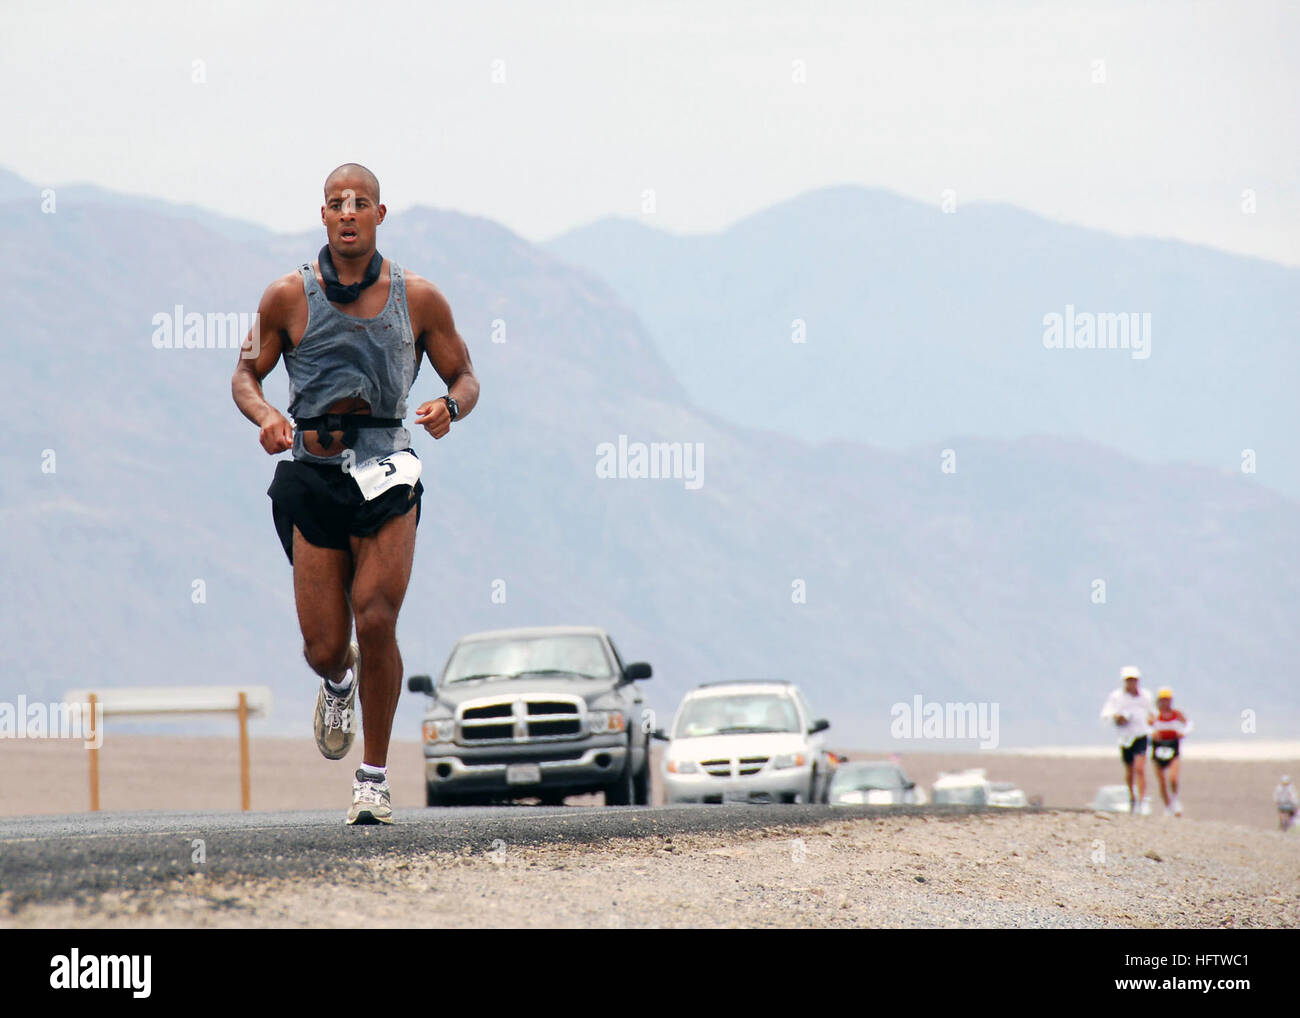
(641, 784)
(812, 787)
(432, 797)
(622, 791)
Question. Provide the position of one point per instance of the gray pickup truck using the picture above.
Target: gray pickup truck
(545, 712)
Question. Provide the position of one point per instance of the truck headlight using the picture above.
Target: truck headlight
(604, 722)
(683, 767)
(440, 730)
(787, 760)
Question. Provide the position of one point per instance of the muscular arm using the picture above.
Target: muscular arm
(436, 334)
(258, 356)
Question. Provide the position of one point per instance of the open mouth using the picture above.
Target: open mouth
(347, 234)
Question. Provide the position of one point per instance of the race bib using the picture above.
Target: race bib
(1164, 752)
(376, 476)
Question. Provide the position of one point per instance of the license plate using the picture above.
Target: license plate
(524, 774)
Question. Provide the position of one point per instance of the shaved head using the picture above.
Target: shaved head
(353, 171)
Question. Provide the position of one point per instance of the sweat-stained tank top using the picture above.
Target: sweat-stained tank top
(340, 357)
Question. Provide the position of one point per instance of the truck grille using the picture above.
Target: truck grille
(743, 767)
(521, 719)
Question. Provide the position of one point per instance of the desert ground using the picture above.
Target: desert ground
(1224, 865)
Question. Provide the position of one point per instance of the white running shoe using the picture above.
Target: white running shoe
(1178, 806)
(335, 721)
(371, 803)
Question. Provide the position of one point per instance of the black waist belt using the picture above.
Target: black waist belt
(346, 423)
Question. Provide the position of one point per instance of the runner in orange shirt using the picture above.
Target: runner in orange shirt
(1168, 726)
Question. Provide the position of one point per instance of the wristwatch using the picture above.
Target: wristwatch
(452, 406)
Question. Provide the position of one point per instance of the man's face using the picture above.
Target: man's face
(1164, 703)
(351, 217)
(1131, 685)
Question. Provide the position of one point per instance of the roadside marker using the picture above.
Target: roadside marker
(243, 701)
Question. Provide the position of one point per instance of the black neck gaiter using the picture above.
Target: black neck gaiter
(335, 290)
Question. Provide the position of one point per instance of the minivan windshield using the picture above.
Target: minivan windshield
(737, 715)
(580, 656)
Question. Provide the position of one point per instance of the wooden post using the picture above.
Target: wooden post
(94, 755)
(244, 790)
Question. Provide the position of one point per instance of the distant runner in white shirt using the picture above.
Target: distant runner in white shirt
(1130, 709)
(1287, 803)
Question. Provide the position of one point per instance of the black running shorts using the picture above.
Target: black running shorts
(1138, 748)
(1164, 752)
(324, 502)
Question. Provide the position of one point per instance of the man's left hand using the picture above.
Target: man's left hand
(434, 416)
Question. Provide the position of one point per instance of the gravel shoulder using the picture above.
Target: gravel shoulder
(1039, 870)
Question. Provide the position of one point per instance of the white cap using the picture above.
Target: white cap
(1130, 672)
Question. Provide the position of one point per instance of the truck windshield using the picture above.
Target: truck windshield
(737, 715)
(580, 656)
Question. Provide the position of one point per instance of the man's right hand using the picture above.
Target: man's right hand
(277, 433)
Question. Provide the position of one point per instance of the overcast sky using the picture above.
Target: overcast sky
(545, 116)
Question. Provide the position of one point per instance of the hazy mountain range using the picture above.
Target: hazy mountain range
(918, 325)
(972, 585)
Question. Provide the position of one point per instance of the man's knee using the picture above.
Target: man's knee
(326, 656)
(376, 620)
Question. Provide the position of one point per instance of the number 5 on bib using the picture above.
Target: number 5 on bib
(376, 476)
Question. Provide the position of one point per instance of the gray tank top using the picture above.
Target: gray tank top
(340, 357)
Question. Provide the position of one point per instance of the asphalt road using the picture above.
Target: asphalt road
(49, 858)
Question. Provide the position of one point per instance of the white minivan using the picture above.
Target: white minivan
(751, 741)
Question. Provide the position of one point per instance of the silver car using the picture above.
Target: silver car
(973, 788)
(874, 783)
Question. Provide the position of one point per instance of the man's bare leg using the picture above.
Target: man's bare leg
(321, 577)
(1128, 783)
(1174, 769)
(382, 572)
(1140, 770)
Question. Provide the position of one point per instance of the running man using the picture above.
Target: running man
(1287, 802)
(1128, 709)
(352, 328)
(1167, 730)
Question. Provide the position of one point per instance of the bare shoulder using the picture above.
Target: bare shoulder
(285, 291)
(429, 308)
(283, 301)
